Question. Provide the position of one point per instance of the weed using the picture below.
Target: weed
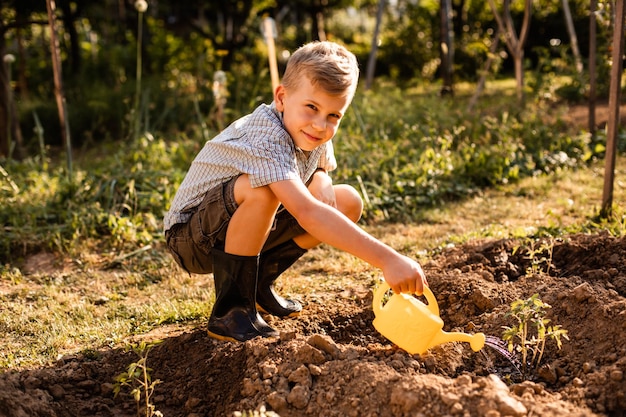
(531, 332)
(138, 378)
(13, 275)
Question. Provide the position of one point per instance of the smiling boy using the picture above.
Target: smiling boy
(258, 196)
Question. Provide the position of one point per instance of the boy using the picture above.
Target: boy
(258, 196)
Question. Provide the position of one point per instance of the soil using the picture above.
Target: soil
(331, 361)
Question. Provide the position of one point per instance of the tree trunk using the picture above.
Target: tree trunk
(483, 77)
(592, 67)
(518, 59)
(572, 37)
(371, 60)
(316, 13)
(447, 48)
(70, 27)
(58, 84)
(321, 27)
(514, 44)
(22, 80)
(4, 102)
(10, 133)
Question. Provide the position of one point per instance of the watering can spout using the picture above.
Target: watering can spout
(476, 341)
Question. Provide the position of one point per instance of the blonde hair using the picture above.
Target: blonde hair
(327, 65)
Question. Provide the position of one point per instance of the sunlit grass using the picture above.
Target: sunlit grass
(44, 316)
(565, 202)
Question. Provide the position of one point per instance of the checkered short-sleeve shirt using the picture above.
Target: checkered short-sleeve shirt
(257, 145)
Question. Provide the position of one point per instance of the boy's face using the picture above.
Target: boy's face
(310, 115)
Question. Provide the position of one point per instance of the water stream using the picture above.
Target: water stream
(500, 346)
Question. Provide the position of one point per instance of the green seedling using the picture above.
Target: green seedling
(137, 377)
(539, 253)
(529, 335)
(255, 413)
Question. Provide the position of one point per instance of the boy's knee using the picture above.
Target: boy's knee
(349, 201)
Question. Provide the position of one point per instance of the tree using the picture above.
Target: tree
(315, 11)
(447, 47)
(58, 83)
(483, 77)
(225, 24)
(592, 67)
(371, 61)
(13, 17)
(572, 36)
(514, 43)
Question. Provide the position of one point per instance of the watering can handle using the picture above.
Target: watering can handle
(378, 297)
(432, 301)
(384, 287)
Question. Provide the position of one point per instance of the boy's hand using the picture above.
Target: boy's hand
(321, 187)
(405, 275)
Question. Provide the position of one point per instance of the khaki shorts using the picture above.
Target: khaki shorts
(190, 243)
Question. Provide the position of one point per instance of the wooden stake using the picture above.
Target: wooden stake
(268, 29)
(614, 104)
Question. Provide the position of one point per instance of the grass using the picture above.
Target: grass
(56, 311)
(81, 305)
(566, 201)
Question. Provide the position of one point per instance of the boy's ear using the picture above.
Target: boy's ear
(279, 97)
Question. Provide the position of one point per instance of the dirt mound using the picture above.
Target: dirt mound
(330, 361)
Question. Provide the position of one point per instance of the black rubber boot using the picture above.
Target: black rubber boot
(234, 316)
(273, 263)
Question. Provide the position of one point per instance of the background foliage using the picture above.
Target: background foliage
(185, 43)
(402, 145)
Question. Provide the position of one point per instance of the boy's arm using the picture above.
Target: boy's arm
(330, 226)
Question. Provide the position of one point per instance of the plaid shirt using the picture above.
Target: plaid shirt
(257, 145)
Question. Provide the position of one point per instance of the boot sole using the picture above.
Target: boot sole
(233, 340)
(223, 338)
(293, 314)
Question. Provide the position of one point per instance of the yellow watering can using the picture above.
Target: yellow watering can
(413, 325)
